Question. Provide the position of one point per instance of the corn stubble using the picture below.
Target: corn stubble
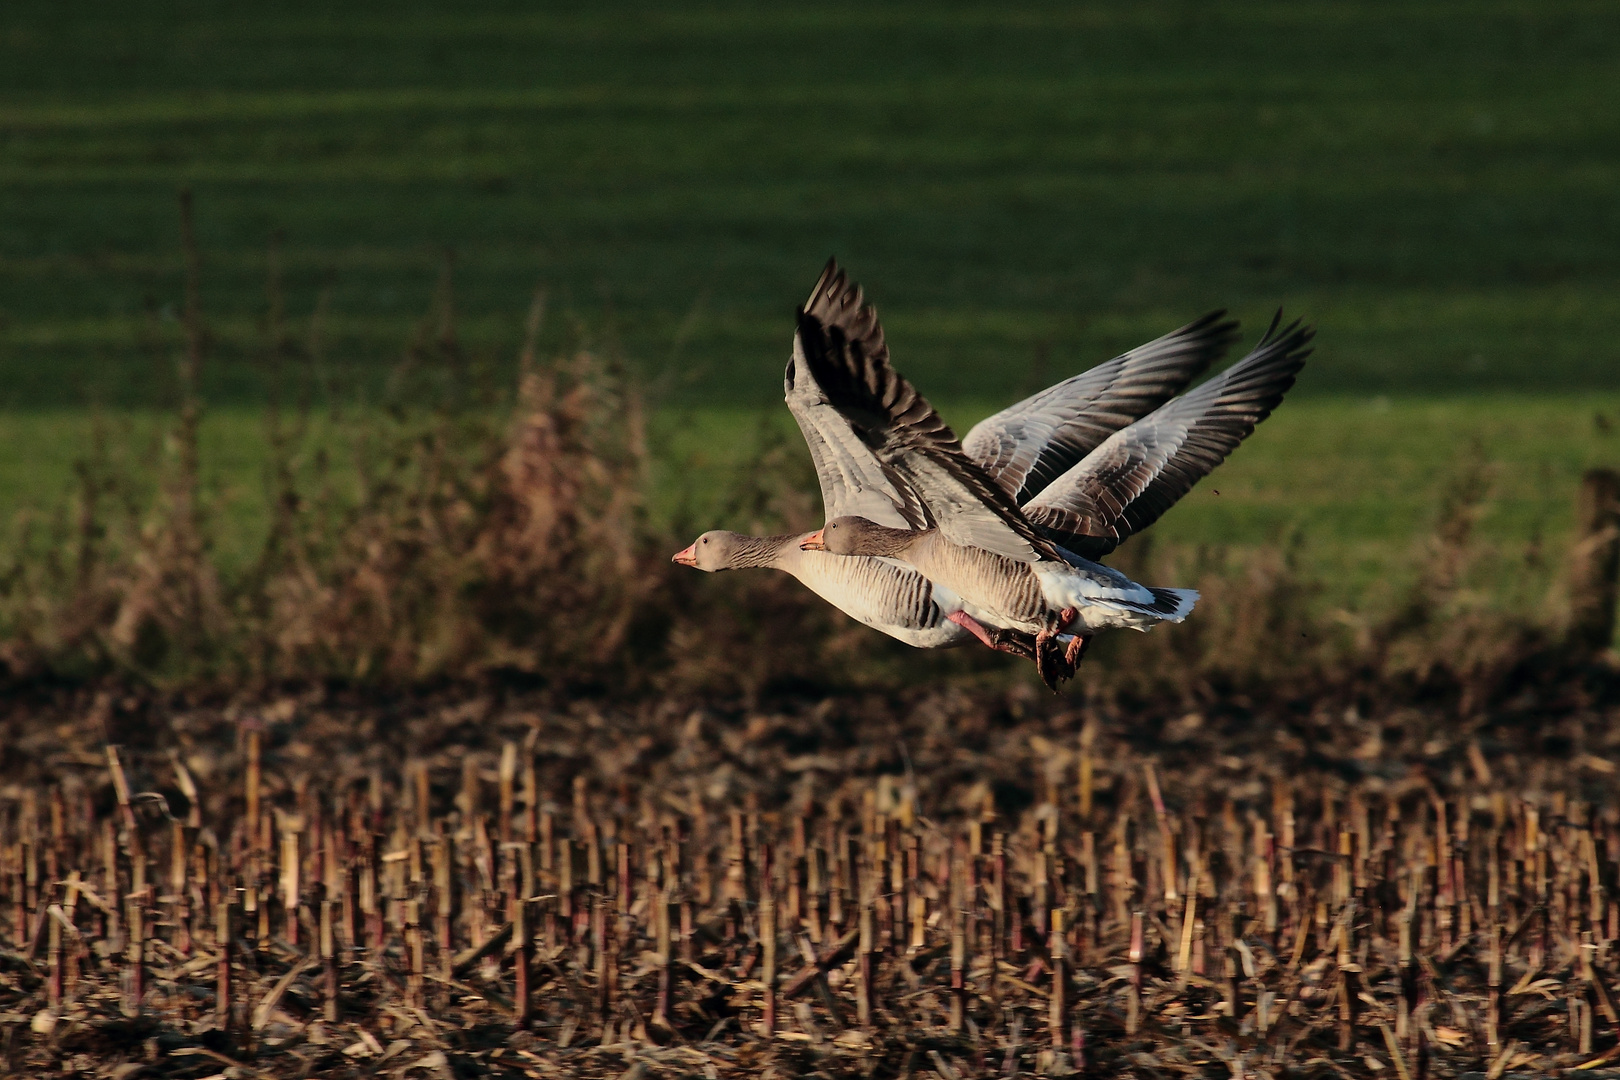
(714, 896)
(461, 776)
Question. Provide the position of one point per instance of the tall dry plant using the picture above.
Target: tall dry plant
(453, 536)
(478, 538)
(1450, 631)
(169, 607)
(475, 544)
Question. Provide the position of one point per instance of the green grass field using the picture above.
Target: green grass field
(1353, 485)
(1356, 483)
(1026, 188)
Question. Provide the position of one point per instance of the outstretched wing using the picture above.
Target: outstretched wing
(905, 433)
(853, 480)
(1138, 473)
(1024, 447)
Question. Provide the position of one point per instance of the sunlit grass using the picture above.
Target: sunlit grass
(1353, 485)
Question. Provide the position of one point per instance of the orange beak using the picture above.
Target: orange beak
(814, 542)
(687, 556)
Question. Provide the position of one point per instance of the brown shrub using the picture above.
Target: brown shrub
(505, 536)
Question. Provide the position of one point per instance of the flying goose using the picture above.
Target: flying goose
(1022, 448)
(1030, 568)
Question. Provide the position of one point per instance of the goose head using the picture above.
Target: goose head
(720, 549)
(857, 536)
(716, 549)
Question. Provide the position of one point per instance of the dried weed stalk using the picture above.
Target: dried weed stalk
(459, 534)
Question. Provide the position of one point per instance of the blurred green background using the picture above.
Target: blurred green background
(1024, 189)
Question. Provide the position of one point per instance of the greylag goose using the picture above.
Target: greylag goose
(1023, 447)
(1030, 568)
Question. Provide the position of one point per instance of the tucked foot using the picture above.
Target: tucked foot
(1045, 663)
(1053, 663)
(1057, 657)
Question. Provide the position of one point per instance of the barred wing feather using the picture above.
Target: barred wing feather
(1139, 472)
(1026, 446)
(909, 437)
(853, 480)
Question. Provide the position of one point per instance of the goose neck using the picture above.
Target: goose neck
(885, 541)
(758, 552)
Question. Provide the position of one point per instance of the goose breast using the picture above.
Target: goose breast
(885, 594)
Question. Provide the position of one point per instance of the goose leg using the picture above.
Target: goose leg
(978, 630)
(1077, 649)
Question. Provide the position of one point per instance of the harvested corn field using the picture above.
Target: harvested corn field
(939, 884)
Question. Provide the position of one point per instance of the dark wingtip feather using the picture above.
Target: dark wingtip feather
(840, 302)
(1296, 336)
(1211, 335)
(1215, 323)
(830, 282)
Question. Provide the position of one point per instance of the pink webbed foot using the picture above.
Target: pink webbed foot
(1077, 649)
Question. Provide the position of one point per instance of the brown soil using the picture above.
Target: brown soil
(1334, 887)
